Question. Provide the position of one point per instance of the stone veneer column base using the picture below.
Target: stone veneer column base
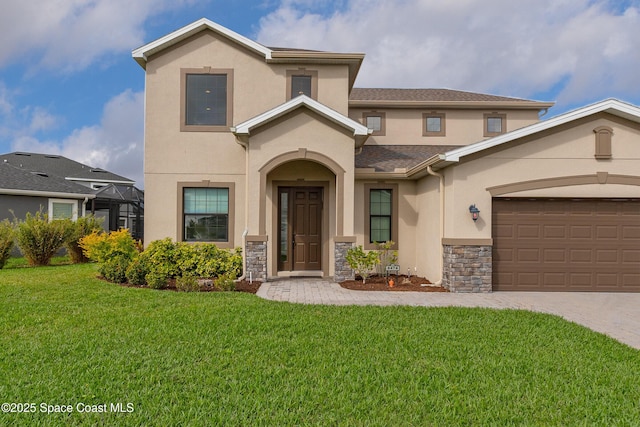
(342, 270)
(256, 260)
(467, 268)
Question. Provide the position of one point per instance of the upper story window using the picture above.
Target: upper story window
(495, 124)
(302, 82)
(375, 121)
(433, 124)
(206, 100)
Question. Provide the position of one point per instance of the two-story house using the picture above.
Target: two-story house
(274, 150)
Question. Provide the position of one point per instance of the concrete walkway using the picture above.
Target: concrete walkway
(614, 314)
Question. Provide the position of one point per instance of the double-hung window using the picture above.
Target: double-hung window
(207, 99)
(381, 214)
(206, 214)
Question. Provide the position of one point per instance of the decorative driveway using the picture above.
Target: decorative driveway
(613, 314)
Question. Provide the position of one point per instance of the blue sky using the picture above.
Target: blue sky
(69, 86)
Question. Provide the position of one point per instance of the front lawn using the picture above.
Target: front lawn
(67, 338)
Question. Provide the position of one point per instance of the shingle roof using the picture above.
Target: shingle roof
(426, 95)
(14, 178)
(59, 166)
(386, 158)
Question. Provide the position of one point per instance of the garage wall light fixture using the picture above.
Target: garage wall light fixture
(475, 212)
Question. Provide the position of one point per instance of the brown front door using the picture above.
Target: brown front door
(300, 228)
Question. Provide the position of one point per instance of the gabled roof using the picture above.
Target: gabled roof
(14, 180)
(62, 167)
(364, 97)
(360, 132)
(390, 158)
(142, 53)
(611, 106)
(276, 55)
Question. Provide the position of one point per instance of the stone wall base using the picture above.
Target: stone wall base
(256, 260)
(342, 270)
(467, 268)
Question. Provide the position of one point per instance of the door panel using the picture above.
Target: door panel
(303, 227)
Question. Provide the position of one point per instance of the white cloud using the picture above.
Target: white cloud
(116, 144)
(69, 35)
(516, 48)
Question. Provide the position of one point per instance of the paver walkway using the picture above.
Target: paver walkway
(614, 314)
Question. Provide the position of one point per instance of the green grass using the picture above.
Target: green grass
(234, 359)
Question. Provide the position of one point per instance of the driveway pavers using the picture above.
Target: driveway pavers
(613, 314)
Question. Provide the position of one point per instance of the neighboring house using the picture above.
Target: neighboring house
(274, 150)
(64, 188)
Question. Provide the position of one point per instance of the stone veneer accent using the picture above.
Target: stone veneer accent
(467, 268)
(342, 269)
(256, 260)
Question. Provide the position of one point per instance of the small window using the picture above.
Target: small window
(63, 209)
(495, 124)
(300, 85)
(206, 214)
(381, 214)
(375, 121)
(433, 124)
(302, 82)
(206, 100)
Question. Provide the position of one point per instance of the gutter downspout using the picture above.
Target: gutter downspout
(244, 142)
(441, 179)
(84, 206)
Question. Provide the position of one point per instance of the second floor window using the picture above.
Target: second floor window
(206, 103)
(495, 124)
(300, 85)
(375, 121)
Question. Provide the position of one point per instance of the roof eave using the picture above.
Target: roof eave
(515, 105)
(142, 54)
(38, 193)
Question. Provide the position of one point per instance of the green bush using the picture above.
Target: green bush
(82, 227)
(362, 262)
(213, 262)
(157, 280)
(100, 247)
(225, 282)
(162, 256)
(187, 283)
(386, 255)
(39, 239)
(115, 269)
(7, 240)
(137, 271)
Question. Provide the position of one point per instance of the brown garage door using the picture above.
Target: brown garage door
(566, 245)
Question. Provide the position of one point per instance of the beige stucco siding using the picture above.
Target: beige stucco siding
(565, 152)
(407, 221)
(428, 247)
(404, 126)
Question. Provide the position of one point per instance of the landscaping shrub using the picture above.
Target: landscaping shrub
(213, 262)
(7, 240)
(100, 247)
(162, 256)
(157, 280)
(362, 262)
(187, 283)
(39, 239)
(225, 282)
(137, 271)
(82, 227)
(115, 269)
(386, 255)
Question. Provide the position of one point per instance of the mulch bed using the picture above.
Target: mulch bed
(402, 283)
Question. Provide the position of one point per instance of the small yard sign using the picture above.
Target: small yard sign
(392, 268)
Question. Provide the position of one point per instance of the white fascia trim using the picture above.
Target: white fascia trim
(100, 181)
(612, 106)
(34, 193)
(245, 128)
(141, 54)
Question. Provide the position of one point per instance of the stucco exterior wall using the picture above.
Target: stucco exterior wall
(428, 245)
(566, 152)
(404, 126)
(407, 222)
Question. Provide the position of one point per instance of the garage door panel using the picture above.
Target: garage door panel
(566, 244)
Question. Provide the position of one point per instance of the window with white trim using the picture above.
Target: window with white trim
(63, 209)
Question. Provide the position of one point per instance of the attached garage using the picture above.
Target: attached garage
(566, 244)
